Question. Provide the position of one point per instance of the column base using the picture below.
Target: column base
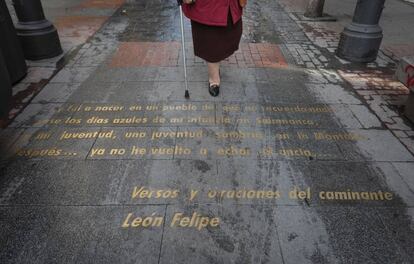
(409, 107)
(5, 89)
(360, 43)
(11, 47)
(40, 40)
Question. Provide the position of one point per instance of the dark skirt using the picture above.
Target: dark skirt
(214, 43)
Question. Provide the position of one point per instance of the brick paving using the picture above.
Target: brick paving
(100, 4)
(374, 82)
(138, 54)
(308, 56)
(76, 30)
(76, 24)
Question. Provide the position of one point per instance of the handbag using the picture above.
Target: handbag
(243, 3)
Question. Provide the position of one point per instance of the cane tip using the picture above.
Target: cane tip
(187, 95)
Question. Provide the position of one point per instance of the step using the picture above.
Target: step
(405, 72)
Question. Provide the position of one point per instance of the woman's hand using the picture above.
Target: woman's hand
(189, 2)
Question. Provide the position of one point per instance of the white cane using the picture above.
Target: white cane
(187, 93)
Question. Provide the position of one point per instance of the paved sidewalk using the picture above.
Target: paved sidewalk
(290, 164)
(76, 22)
(375, 82)
(396, 22)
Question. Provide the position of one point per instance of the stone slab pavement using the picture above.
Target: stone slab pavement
(375, 82)
(76, 21)
(110, 164)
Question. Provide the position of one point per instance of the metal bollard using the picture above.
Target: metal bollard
(361, 40)
(5, 88)
(315, 8)
(11, 47)
(38, 36)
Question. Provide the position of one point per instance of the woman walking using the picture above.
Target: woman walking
(217, 29)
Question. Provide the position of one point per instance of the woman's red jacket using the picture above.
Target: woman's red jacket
(213, 12)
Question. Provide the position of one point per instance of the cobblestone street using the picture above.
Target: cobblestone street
(302, 158)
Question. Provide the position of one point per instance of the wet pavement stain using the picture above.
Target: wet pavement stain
(150, 21)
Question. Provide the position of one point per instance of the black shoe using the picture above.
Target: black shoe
(214, 89)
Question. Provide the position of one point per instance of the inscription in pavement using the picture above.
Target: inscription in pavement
(188, 130)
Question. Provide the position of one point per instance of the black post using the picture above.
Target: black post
(38, 36)
(361, 40)
(11, 47)
(5, 88)
(315, 8)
